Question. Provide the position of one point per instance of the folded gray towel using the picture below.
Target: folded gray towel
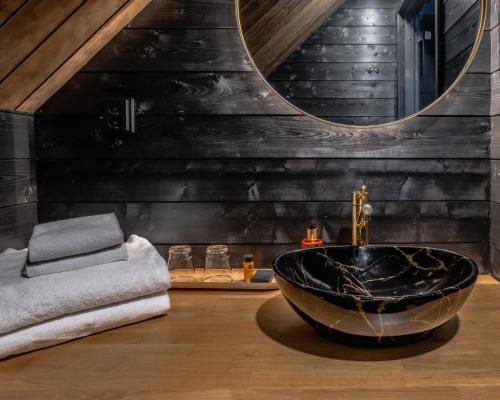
(25, 302)
(106, 256)
(73, 237)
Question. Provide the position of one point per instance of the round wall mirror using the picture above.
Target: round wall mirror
(361, 62)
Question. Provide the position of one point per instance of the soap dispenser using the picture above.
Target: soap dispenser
(312, 239)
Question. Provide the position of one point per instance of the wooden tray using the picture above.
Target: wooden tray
(237, 284)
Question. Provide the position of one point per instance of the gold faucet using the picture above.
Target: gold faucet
(361, 214)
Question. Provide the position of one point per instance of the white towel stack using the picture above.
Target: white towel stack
(57, 307)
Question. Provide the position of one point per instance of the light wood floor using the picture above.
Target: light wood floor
(237, 345)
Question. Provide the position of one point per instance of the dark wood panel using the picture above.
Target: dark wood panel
(16, 225)
(495, 261)
(455, 66)
(495, 155)
(495, 224)
(454, 10)
(362, 17)
(264, 254)
(223, 93)
(337, 89)
(471, 96)
(482, 59)
(333, 71)
(274, 222)
(494, 36)
(353, 35)
(372, 3)
(462, 34)
(347, 107)
(16, 135)
(495, 181)
(17, 182)
(495, 93)
(361, 121)
(262, 180)
(173, 50)
(198, 172)
(173, 93)
(276, 137)
(187, 14)
(18, 210)
(493, 13)
(495, 137)
(345, 98)
(345, 53)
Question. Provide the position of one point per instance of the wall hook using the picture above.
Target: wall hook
(374, 68)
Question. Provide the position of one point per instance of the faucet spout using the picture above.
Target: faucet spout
(361, 215)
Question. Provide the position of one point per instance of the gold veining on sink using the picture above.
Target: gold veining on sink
(375, 294)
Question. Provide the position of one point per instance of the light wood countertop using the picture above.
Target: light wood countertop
(251, 345)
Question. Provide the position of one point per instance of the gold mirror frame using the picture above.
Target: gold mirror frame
(472, 56)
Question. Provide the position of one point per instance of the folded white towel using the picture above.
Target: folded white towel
(81, 324)
(25, 302)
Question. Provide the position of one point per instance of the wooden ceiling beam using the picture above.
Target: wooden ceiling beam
(29, 27)
(52, 53)
(8, 8)
(45, 42)
(89, 49)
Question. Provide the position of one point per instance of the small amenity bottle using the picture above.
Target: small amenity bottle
(248, 267)
(312, 239)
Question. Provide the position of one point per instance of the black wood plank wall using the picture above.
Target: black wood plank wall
(329, 76)
(217, 157)
(18, 195)
(495, 138)
(461, 19)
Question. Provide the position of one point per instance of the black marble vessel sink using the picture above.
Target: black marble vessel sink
(375, 294)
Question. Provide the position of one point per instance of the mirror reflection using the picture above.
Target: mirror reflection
(360, 62)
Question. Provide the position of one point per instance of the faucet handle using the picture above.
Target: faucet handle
(367, 210)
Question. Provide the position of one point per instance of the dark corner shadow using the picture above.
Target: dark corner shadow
(278, 321)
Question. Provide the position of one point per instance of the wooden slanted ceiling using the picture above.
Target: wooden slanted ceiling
(273, 29)
(43, 43)
(9, 7)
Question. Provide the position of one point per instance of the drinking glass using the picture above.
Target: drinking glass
(180, 263)
(217, 265)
